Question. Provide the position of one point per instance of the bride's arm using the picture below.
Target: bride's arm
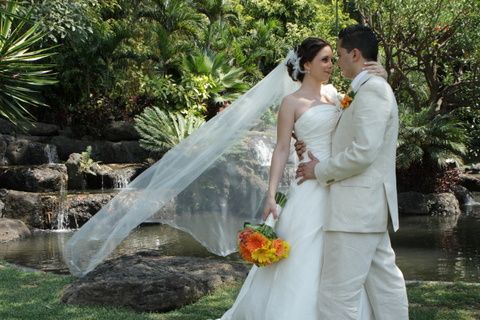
(285, 122)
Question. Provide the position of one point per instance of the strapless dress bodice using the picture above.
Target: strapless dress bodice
(315, 127)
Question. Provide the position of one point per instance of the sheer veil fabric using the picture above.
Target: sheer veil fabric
(207, 185)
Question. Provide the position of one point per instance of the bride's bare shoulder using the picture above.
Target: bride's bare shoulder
(292, 101)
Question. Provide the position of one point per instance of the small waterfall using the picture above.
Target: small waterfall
(471, 206)
(263, 153)
(121, 179)
(62, 209)
(51, 153)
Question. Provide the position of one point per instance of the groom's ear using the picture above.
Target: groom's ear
(356, 54)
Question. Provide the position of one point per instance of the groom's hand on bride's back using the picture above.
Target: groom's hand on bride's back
(306, 170)
(300, 148)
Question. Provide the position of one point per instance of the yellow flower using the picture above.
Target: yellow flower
(264, 256)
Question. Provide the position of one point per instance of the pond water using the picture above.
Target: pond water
(427, 248)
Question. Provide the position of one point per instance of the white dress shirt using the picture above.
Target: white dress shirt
(357, 81)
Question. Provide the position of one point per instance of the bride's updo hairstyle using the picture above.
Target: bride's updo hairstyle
(303, 53)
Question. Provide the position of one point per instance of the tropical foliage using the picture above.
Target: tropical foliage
(432, 141)
(119, 59)
(160, 130)
(23, 70)
(431, 51)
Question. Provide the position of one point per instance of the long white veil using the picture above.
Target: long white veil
(208, 185)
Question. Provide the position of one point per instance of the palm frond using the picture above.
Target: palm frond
(20, 67)
(160, 130)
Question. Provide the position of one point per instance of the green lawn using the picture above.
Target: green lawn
(27, 295)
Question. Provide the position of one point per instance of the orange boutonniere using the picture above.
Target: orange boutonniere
(347, 99)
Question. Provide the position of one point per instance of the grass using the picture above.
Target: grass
(28, 295)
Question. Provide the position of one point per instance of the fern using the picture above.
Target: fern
(87, 164)
(160, 130)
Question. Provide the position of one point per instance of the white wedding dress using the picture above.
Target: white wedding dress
(288, 290)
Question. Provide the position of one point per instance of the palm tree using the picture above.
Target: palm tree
(227, 80)
(426, 139)
(176, 27)
(21, 74)
(429, 149)
(217, 10)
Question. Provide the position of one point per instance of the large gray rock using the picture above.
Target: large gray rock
(6, 127)
(120, 131)
(113, 176)
(76, 178)
(44, 210)
(27, 207)
(25, 151)
(413, 203)
(150, 282)
(11, 229)
(443, 204)
(434, 204)
(66, 146)
(102, 176)
(43, 129)
(43, 178)
(3, 150)
(81, 207)
(104, 151)
(462, 194)
(470, 181)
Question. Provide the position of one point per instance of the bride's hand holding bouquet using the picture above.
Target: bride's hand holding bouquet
(259, 243)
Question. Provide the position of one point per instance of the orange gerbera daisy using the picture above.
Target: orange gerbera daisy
(244, 235)
(246, 255)
(256, 240)
(282, 248)
(346, 100)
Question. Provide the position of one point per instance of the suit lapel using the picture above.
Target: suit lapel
(367, 77)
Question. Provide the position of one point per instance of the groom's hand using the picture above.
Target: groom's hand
(300, 148)
(306, 170)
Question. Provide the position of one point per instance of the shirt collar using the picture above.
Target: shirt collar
(357, 81)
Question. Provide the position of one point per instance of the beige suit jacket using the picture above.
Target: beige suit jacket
(361, 170)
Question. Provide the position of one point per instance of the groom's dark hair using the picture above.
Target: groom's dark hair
(362, 38)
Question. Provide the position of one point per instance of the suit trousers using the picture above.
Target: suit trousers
(353, 260)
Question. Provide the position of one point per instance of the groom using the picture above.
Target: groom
(361, 176)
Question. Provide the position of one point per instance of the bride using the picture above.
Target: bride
(289, 289)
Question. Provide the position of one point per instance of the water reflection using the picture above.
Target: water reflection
(43, 249)
(430, 248)
(427, 248)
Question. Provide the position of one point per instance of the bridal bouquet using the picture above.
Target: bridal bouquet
(259, 243)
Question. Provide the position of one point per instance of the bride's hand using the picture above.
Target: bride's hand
(270, 208)
(376, 68)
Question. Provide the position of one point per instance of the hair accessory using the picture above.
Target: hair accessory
(294, 59)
